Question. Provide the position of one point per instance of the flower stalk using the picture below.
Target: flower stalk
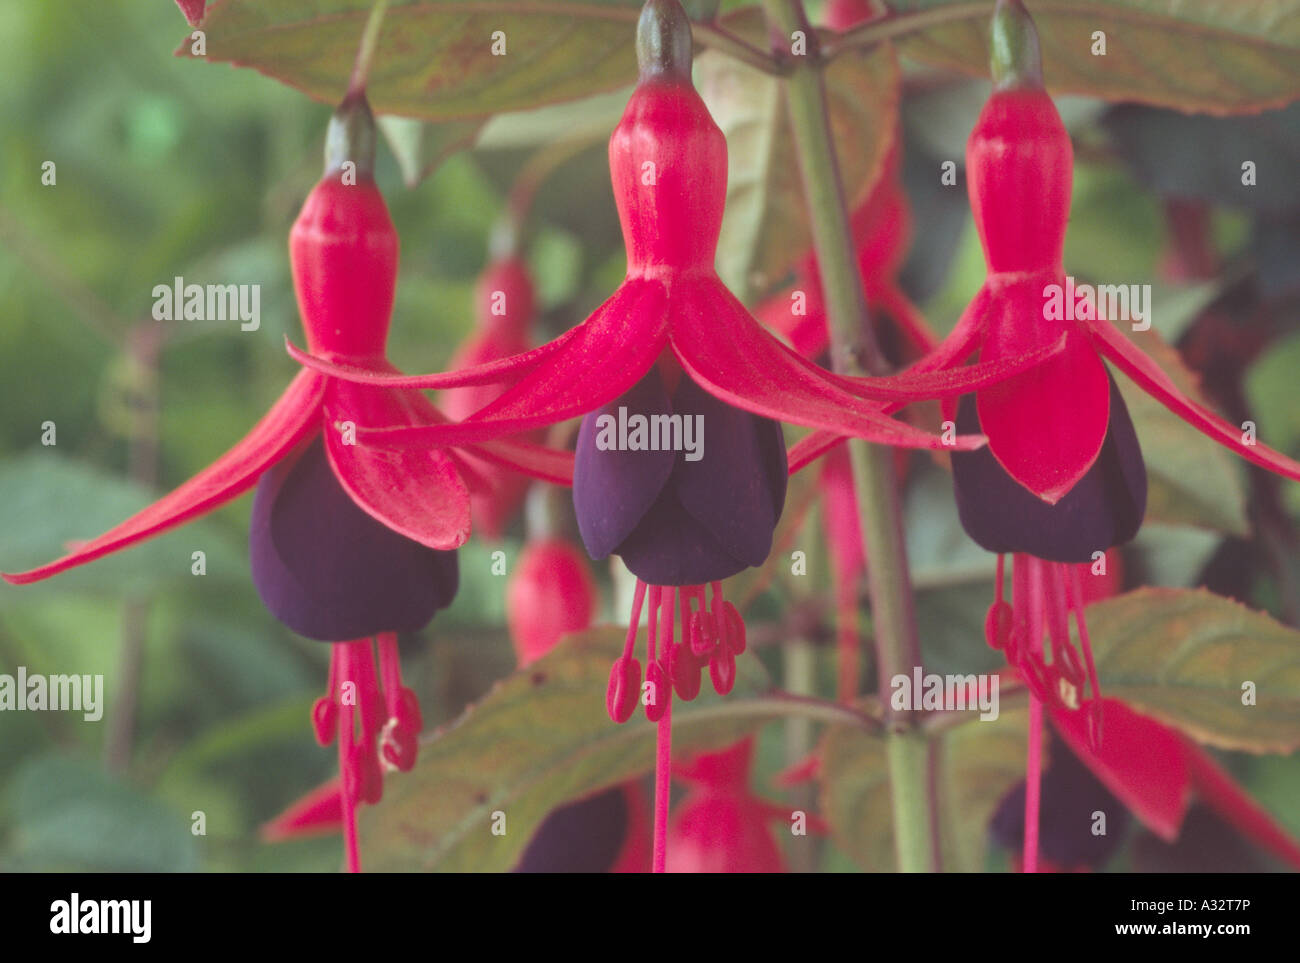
(855, 352)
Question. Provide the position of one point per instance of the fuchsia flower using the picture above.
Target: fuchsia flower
(674, 341)
(1062, 479)
(720, 826)
(550, 594)
(346, 542)
(1141, 767)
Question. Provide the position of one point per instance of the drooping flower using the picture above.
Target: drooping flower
(1142, 767)
(346, 543)
(720, 826)
(549, 595)
(673, 342)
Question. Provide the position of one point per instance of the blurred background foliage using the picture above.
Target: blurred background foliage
(168, 167)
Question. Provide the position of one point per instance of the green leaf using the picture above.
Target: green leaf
(979, 762)
(69, 816)
(539, 739)
(434, 59)
(766, 225)
(51, 500)
(1191, 480)
(1213, 56)
(1182, 656)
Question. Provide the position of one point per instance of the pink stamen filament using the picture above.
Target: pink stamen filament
(390, 671)
(1034, 762)
(347, 760)
(663, 735)
(634, 620)
(1076, 603)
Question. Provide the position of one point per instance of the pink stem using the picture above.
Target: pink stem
(347, 761)
(663, 743)
(634, 620)
(390, 670)
(1034, 762)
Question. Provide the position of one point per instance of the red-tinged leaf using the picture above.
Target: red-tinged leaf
(1143, 763)
(294, 416)
(1246, 52)
(1130, 359)
(540, 738)
(766, 220)
(417, 492)
(435, 60)
(726, 351)
(1205, 665)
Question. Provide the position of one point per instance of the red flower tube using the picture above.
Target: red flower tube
(674, 342)
(346, 543)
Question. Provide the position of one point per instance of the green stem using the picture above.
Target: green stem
(854, 352)
(366, 48)
(717, 38)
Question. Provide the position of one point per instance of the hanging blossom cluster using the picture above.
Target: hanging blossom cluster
(674, 342)
(364, 488)
(347, 544)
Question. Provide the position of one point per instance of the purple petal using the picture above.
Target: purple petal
(736, 489)
(612, 488)
(1103, 509)
(329, 571)
(670, 547)
(1070, 795)
(586, 836)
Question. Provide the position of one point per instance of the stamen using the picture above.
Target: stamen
(1095, 706)
(347, 764)
(1064, 657)
(390, 670)
(399, 740)
(324, 713)
(1034, 762)
(684, 668)
(663, 739)
(661, 685)
(1000, 618)
(625, 674)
